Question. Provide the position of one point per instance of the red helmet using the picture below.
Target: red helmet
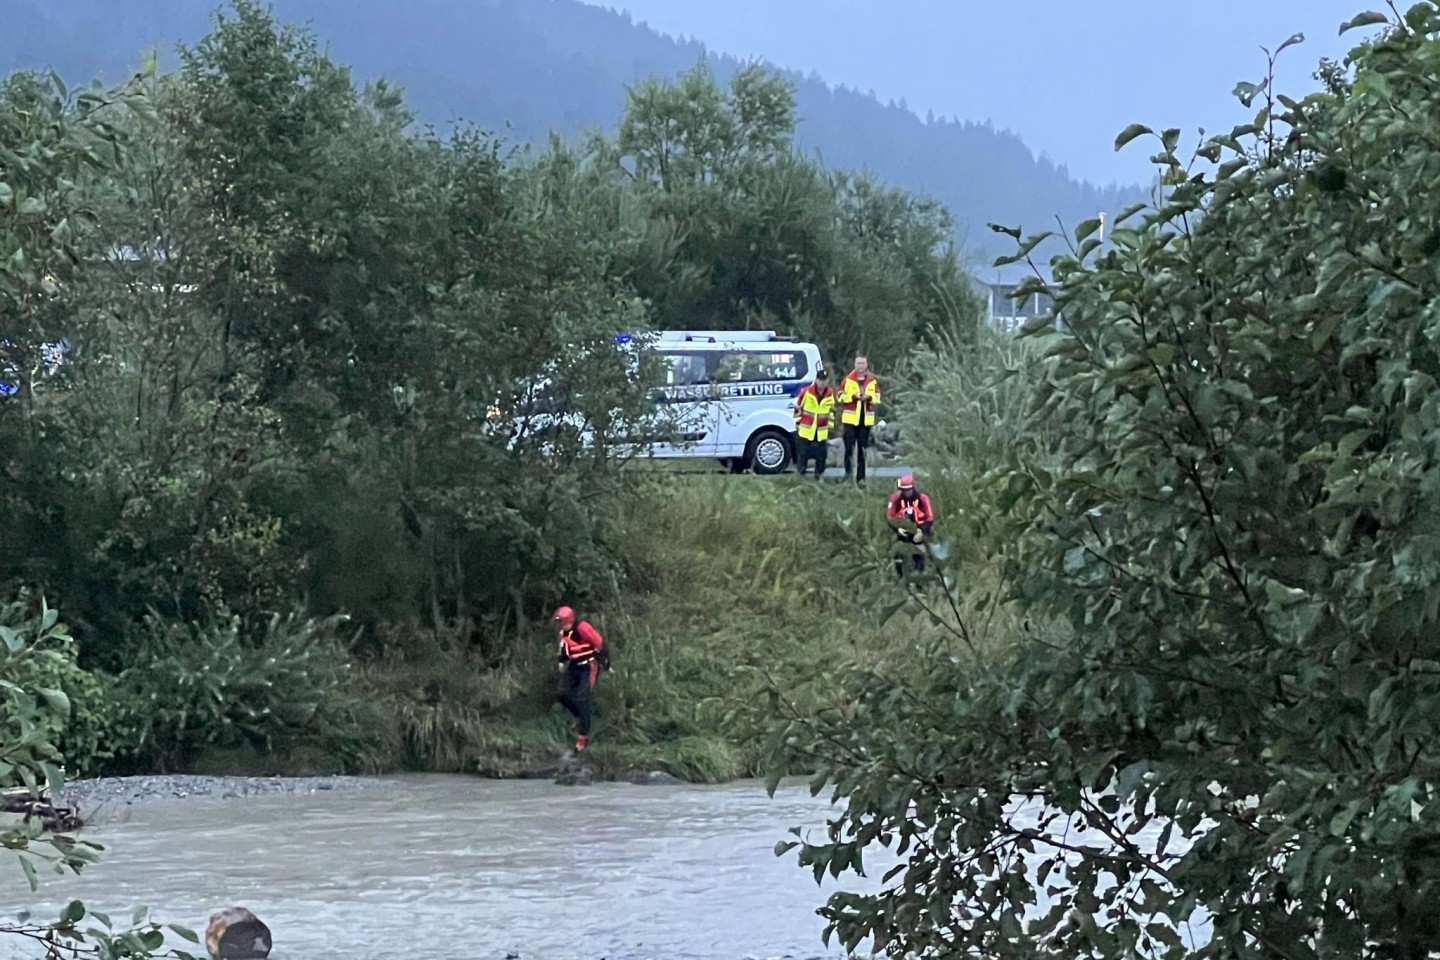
(907, 482)
(565, 616)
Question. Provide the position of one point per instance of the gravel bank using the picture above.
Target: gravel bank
(113, 792)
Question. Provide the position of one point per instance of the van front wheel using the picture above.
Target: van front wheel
(769, 451)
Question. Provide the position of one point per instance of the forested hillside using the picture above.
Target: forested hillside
(542, 65)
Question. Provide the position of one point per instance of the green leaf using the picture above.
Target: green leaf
(31, 206)
(1246, 92)
(1161, 354)
(7, 194)
(55, 699)
(1129, 212)
(190, 935)
(12, 639)
(1130, 133)
(1086, 228)
(1324, 330)
(53, 777)
(1294, 39)
(1368, 19)
(1373, 81)
(29, 869)
(781, 848)
(1341, 821)
(1281, 595)
(1025, 249)
(1351, 442)
(73, 913)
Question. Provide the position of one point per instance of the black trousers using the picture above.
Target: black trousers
(917, 559)
(905, 545)
(807, 450)
(577, 687)
(857, 438)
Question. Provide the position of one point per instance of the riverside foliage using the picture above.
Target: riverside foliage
(272, 485)
(1215, 736)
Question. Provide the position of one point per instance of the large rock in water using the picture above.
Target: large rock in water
(573, 773)
(237, 934)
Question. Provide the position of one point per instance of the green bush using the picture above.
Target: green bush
(201, 687)
(91, 728)
(1238, 523)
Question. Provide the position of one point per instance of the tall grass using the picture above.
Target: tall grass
(730, 584)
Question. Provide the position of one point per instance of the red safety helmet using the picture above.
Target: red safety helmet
(907, 482)
(565, 616)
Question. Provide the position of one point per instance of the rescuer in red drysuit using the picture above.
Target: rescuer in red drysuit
(582, 655)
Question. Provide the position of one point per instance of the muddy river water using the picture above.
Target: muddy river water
(445, 868)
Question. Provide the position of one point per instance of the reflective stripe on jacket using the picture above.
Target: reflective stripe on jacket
(813, 411)
(858, 399)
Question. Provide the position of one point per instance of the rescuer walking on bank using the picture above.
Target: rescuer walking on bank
(859, 395)
(814, 411)
(912, 518)
(582, 655)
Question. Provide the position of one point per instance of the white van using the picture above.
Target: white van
(732, 395)
(727, 395)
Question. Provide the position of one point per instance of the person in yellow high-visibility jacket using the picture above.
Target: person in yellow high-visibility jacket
(814, 412)
(859, 396)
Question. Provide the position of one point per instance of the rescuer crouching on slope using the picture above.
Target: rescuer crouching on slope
(814, 412)
(582, 655)
(912, 518)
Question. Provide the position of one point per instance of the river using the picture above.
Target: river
(457, 868)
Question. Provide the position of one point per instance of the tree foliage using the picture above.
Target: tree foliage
(720, 222)
(563, 68)
(1219, 738)
(301, 330)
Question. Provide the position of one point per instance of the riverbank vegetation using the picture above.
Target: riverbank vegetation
(1184, 600)
(262, 341)
(1225, 499)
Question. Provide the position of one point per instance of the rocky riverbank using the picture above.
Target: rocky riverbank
(89, 796)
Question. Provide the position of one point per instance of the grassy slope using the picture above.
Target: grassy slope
(732, 576)
(733, 581)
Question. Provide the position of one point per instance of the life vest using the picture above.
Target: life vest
(813, 411)
(581, 645)
(854, 411)
(918, 510)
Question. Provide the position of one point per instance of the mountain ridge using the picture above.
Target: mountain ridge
(527, 67)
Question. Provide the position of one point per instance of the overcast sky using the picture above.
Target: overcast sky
(1062, 75)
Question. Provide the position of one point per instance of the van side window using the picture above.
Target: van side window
(752, 366)
(685, 369)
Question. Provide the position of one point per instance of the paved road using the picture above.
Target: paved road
(833, 471)
(886, 473)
